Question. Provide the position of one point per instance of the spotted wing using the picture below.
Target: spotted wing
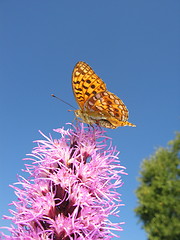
(85, 83)
(108, 110)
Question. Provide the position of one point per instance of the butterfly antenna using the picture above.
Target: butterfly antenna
(62, 101)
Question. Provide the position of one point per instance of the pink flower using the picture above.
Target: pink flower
(71, 190)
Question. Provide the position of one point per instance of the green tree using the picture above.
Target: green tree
(159, 193)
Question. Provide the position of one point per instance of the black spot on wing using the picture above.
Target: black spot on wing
(88, 81)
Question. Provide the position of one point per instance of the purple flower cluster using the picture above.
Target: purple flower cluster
(71, 191)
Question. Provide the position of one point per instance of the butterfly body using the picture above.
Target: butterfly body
(97, 104)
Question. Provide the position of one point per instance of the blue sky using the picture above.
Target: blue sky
(132, 45)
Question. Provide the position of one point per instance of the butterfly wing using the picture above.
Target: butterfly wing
(85, 83)
(108, 110)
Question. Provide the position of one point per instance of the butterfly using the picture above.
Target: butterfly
(97, 105)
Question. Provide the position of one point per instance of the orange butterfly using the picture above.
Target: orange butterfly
(97, 104)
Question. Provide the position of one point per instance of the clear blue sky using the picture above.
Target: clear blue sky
(134, 46)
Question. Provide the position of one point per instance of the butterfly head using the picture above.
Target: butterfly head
(84, 116)
(78, 113)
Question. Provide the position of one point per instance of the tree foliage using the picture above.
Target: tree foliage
(159, 193)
